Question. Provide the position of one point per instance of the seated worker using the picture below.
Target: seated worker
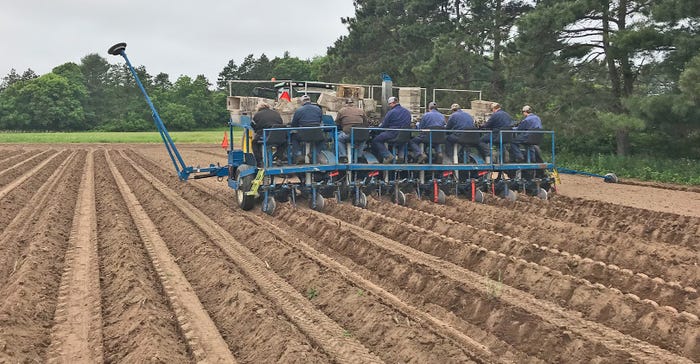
(531, 122)
(458, 120)
(265, 118)
(433, 119)
(307, 115)
(497, 121)
(398, 117)
(348, 117)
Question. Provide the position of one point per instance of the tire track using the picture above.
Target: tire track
(596, 271)
(15, 167)
(669, 261)
(290, 255)
(77, 330)
(139, 324)
(674, 229)
(10, 156)
(23, 221)
(28, 300)
(18, 181)
(476, 350)
(545, 311)
(662, 326)
(202, 335)
(324, 331)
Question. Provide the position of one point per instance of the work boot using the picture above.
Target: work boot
(343, 160)
(421, 158)
(299, 159)
(388, 159)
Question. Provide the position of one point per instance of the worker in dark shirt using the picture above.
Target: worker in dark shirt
(265, 118)
(398, 117)
(348, 117)
(531, 122)
(458, 120)
(497, 121)
(307, 115)
(433, 119)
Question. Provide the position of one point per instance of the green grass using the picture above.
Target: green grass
(682, 171)
(206, 137)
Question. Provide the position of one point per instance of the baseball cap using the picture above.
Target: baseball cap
(305, 98)
(455, 107)
(392, 99)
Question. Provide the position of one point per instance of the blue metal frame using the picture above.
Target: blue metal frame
(183, 170)
(332, 177)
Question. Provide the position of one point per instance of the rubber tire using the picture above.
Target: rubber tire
(245, 202)
(271, 206)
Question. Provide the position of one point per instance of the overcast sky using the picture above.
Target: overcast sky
(176, 37)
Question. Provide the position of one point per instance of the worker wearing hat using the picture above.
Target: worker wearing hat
(531, 122)
(433, 119)
(398, 117)
(349, 116)
(458, 120)
(498, 120)
(307, 115)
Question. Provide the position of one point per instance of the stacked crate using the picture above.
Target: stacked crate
(243, 105)
(480, 111)
(350, 92)
(409, 97)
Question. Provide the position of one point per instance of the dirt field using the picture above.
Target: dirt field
(106, 257)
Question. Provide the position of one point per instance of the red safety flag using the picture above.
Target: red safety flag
(285, 96)
(224, 143)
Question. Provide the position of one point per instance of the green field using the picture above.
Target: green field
(204, 137)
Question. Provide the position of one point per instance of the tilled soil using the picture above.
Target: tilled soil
(105, 256)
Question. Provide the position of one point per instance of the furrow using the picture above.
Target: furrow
(324, 331)
(662, 326)
(682, 298)
(549, 314)
(14, 233)
(77, 330)
(665, 260)
(18, 181)
(204, 339)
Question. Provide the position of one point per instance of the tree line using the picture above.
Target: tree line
(610, 76)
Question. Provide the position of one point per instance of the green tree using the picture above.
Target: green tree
(386, 36)
(623, 38)
(50, 102)
(94, 69)
(13, 77)
(290, 68)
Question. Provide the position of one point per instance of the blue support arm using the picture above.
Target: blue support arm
(183, 171)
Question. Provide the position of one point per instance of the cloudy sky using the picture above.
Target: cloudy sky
(172, 36)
